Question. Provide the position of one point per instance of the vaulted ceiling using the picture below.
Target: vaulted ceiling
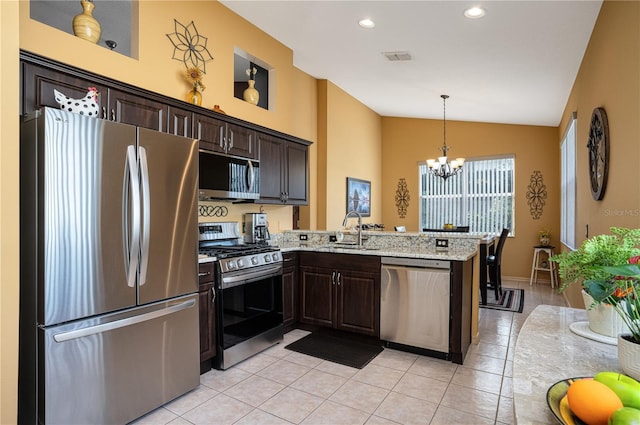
(515, 65)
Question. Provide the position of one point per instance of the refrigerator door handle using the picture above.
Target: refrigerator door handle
(146, 214)
(132, 218)
(105, 327)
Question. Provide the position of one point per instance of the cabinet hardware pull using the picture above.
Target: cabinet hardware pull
(333, 277)
(204, 274)
(104, 113)
(213, 295)
(113, 115)
(339, 278)
(222, 138)
(231, 139)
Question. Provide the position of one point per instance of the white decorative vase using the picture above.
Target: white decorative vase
(603, 318)
(629, 356)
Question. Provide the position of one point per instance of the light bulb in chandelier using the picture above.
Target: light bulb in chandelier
(442, 167)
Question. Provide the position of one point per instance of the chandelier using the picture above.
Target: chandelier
(441, 167)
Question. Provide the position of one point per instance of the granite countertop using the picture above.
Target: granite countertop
(422, 245)
(423, 253)
(547, 352)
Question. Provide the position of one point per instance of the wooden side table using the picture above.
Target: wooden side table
(536, 266)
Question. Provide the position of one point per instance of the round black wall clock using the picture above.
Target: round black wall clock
(598, 146)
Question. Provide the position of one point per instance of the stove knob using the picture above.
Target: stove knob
(275, 256)
(240, 263)
(267, 258)
(231, 265)
(254, 261)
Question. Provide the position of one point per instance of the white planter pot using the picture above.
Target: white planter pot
(629, 357)
(603, 318)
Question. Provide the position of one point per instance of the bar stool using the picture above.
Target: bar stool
(535, 267)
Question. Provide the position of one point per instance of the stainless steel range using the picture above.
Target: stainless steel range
(248, 283)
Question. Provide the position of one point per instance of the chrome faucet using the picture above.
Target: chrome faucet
(344, 223)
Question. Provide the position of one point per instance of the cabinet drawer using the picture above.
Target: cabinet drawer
(354, 262)
(205, 273)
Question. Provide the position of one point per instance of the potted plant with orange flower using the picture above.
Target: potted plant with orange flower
(621, 290)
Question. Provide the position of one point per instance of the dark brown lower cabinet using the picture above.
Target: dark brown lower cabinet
(207, 311)
(340, 291)
(290, 290)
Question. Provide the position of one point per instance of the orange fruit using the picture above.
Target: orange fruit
(592, 401)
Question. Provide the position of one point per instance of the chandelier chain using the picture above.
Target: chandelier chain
(444, 123)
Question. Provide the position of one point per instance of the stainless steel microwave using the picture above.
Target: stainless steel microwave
(228, 177)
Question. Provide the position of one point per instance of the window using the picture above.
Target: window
(481, 197)
(568, 186)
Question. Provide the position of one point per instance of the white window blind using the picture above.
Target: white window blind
(568, 186)
(481, 197)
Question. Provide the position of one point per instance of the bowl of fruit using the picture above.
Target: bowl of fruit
(608, 398)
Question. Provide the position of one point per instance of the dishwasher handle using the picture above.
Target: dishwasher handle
(416, 262)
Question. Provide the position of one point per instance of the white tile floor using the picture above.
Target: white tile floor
(279, 386)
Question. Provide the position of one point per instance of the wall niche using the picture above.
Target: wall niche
(118, 21)
(263, 81)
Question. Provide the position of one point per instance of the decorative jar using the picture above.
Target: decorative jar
(194, 97)
(250, 94)
(85, 25)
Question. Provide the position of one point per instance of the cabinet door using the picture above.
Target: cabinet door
(207, 322)
(317, 298)
(210, 131)
(241, 141)
(296, 174)
(358, 302)
(139, 111)
(271, 166)
(38, 84)
(180, 122)
(289, 292)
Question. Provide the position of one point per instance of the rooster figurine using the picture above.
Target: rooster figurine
(88, 105)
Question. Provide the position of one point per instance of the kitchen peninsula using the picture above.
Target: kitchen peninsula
(317, 254)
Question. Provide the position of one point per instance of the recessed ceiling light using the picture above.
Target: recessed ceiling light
(475, 12)
(366, 23)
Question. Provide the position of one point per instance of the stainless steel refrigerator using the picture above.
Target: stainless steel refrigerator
(108, 282)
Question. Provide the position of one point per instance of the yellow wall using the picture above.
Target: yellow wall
(350, 146)
(9, 212)
(609, 77)
(407, 141)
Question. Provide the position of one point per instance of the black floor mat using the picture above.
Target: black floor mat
(336, 349)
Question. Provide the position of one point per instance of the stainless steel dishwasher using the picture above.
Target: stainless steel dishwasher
(414, 307)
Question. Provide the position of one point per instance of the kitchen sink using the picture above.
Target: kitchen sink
(353, 247)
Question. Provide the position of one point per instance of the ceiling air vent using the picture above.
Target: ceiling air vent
(397, 56)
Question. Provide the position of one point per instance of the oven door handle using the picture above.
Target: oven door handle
(246, 277)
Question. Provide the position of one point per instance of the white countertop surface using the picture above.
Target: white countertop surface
(547, 352)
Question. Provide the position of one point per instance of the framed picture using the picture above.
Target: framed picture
(359, 196)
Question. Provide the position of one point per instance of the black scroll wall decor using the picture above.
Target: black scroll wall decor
(536, 195)
(402, 198)
(189, 46)
(213, 211)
